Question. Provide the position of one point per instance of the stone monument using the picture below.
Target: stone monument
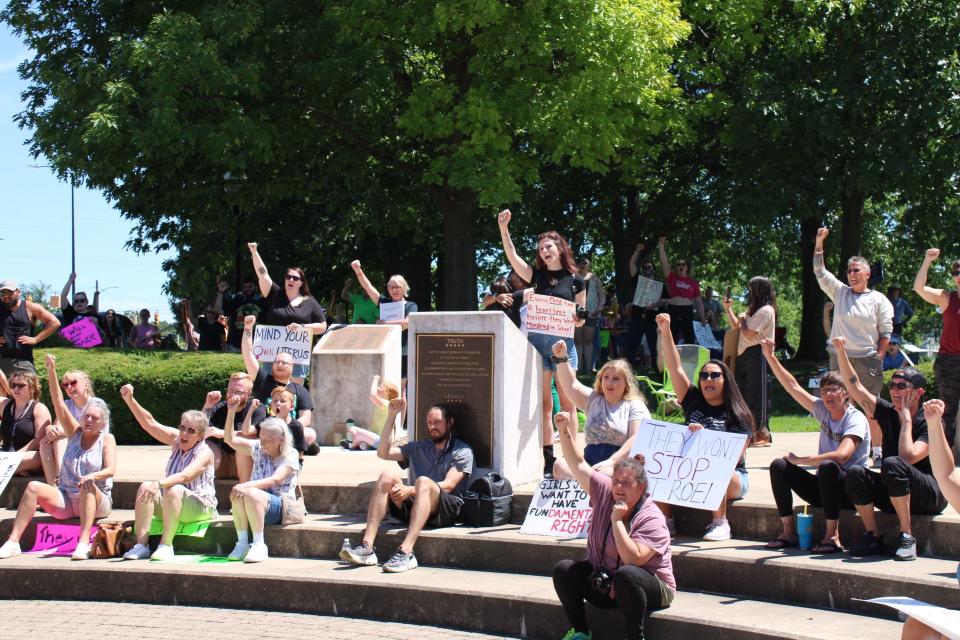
(342, 367)
(483, 366)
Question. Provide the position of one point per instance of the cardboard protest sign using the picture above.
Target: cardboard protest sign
(9, 461)
(269, 340)
(687, 468)
(559, 508)
(946, 621)
(550, 315)
(391, 311)
(82, 333)
(56, 539)
(705, 337)
(647, 292)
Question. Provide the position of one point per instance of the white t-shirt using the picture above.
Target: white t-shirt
(832, 432)
(610, 424)
(264, 466)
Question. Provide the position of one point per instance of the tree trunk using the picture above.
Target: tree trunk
(621, 244)
(851, 230)
(812, 339)
(458, 278)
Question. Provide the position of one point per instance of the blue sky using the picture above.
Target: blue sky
(35, 218)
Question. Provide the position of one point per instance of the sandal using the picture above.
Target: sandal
(781, 543)
(826, 547)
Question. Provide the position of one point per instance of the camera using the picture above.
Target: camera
(582, 313)
(600, 580)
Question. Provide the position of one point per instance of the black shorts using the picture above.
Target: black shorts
(447, 512)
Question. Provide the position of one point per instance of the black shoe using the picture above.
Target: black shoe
(869, 545)
(313, 449)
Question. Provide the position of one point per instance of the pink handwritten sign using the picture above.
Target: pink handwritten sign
(550, 315)
(56, 539)
(82, 333)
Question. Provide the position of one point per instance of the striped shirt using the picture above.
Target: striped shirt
(203, 485)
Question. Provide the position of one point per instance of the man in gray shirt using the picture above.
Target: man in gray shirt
(438, 472)
(863, 317)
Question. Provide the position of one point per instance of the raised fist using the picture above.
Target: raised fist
(663, 322)
(503, 218)
(249, 321)
(559, 349)
(933, 254)
(126, 391)
(355, 265)
(252, 246)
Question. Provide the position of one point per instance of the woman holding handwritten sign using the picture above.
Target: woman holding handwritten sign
(394, 308)
(554, 274)
(844, 442)
(614, 410)
(716, 404)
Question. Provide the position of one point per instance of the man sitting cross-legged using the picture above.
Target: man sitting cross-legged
(905, 484)
(439, 470)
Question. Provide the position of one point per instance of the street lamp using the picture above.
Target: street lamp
(73, 228)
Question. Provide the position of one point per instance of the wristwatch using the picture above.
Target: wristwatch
(558, 359)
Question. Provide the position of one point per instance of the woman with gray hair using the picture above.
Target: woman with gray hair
(276, 468)
(86, 479)
(863, 317)
(397, 291)
(628, 565)
(186, 492)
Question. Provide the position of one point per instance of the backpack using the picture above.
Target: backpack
(488, 502)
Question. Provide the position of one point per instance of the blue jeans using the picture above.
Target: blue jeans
(543, 343)
(274, 514)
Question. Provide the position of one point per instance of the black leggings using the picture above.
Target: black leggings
(946, 371)
(637, 590)
(826, 489)
(897, 478)
(681, 323)
(753, 378)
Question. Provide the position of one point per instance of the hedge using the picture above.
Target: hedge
(166, 382)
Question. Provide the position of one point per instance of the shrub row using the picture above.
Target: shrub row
(165, 382)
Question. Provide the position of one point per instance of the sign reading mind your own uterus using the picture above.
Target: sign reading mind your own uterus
(687, 468)
(269, 340)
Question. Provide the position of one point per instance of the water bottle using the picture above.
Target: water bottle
(346, 545)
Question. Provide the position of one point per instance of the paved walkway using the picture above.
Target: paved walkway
(31, 619)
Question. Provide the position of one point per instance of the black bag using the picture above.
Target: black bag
(488, 502)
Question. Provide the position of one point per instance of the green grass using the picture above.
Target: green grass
(793, 424)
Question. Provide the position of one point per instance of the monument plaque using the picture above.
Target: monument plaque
(457, 370)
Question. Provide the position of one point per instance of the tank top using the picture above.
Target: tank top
(203, 484)
(14, 324)
(78, 462)
(950, 338)
(17, 432)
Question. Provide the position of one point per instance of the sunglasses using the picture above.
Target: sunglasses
(711, 375)
(956, 274)
(900, 385)
(853, 270)
(77, 300)
(294, 277)
(18, 385)
(69, 383)
(189, 430)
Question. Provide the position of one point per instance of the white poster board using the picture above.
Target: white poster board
(550, 315)
(705, 337)
(559, 508)
(647, 292)
(687, 468)
(9, 461)
(946, 621)
(269, 340)
(391, 311)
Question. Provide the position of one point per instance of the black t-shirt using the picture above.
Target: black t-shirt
(696, 409)
(281, 312)
(211, 335)
(513, 311)
(264, 384)
(218, 418)
(889, 422)
(16, 433)
(559, 284)
(238, 307)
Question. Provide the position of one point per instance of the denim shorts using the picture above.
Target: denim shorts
(543, 343)
(597, 453)
(744, 484)
(274, 514)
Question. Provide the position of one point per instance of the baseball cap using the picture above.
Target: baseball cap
(9, 285)
(911, 375)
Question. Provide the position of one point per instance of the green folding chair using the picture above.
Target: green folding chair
(692, 359)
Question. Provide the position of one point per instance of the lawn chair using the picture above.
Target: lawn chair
(692, 359)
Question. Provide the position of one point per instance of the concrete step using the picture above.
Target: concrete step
(740, 568)
(498, 603)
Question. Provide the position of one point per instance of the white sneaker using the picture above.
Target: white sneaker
(82, 552)
(239, 552)
(718, 531)
(138, 552)
(672, 527)
(164, 553)
(257, 553)
(9, 549)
